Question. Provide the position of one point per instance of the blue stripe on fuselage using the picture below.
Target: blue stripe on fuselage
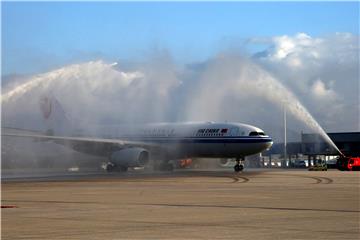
(203, 139)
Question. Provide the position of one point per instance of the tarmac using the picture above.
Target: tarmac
(259, 204)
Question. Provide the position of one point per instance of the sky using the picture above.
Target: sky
(43, 35)
(184, 61)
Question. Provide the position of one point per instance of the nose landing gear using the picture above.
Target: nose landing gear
(239, 166)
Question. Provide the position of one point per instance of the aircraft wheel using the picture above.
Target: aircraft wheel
(110, 167)
(241, 167)
(238, 168)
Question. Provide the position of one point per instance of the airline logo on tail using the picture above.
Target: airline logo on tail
(46, 107)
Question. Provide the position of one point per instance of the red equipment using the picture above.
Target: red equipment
(348, 163)
(185, 162)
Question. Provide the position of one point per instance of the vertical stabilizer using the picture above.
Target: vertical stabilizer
(55, 119)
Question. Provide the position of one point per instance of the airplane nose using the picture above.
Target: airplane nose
(268, 144)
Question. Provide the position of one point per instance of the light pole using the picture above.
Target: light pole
(285, 137)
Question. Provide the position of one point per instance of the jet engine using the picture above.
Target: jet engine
(130, 157)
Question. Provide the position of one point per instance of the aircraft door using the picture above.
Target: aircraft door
(234, 132)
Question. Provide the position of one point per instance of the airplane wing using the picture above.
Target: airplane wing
(95, 146)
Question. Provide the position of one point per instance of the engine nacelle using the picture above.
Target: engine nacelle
(130, 157)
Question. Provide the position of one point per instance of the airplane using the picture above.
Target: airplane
(135, 145)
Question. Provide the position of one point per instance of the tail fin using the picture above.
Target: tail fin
(55, 119)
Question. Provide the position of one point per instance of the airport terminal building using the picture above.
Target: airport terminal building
(312, 147)
(347, 142)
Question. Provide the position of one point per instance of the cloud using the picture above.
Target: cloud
(294, 50)
(303, 50)
(320, 91)
(321, 72)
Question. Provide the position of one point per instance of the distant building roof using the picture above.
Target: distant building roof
(345, 137)
(314, 144)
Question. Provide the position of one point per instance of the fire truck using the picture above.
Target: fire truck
(348, 163)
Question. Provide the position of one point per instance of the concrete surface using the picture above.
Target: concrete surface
(185, 205)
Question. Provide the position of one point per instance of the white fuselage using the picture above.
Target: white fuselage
(174, 140)
(205, 139)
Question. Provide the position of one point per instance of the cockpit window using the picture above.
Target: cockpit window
(256, 134)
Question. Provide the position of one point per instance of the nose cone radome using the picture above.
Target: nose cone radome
(268, 143)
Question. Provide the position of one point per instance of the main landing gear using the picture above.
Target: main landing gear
(239, 166)
(112, 167)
